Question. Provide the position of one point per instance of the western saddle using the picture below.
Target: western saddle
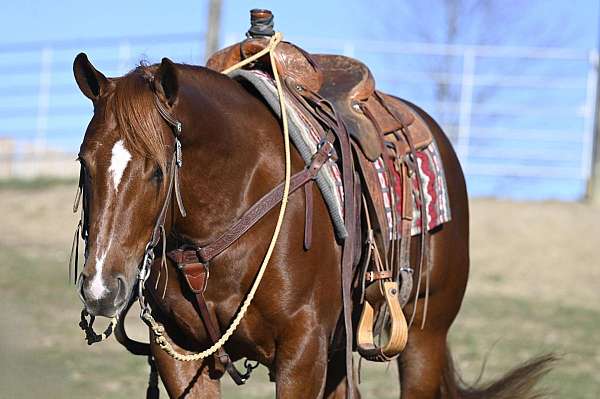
(345, 82)
(338, 90)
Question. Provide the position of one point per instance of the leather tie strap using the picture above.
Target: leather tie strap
(424, 252)
(264, 205)
(350, 219)
(308, 213)
(325, 113)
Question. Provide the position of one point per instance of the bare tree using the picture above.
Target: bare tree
(480, 22)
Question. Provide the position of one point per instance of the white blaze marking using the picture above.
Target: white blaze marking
(118, 162)
(97, 287)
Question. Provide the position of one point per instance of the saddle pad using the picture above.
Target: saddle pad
(306, 141)
(435, 192)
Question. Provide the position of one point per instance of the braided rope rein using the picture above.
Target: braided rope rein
(158, 329)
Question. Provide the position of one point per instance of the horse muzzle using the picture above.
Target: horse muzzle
(103, 297)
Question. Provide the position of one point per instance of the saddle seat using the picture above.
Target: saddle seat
(344, 77)
(349, 85)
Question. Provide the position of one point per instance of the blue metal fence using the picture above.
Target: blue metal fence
(521, 118)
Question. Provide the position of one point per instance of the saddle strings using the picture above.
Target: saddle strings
(412, 162)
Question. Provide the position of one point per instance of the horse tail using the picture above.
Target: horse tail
(518, 383)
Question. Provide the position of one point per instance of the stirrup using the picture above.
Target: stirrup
(376, 295)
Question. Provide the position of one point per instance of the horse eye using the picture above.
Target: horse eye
(157, 175)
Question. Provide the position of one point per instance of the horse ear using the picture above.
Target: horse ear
(166, 83)
(91, 81)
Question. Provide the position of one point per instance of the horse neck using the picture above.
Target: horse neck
(231, 156)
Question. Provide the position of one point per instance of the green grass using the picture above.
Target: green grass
(513, 330)
(43, 353)
(42, 350)
(510, 314)
(37, 183)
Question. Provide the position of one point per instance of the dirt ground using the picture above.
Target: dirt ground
(534, 288)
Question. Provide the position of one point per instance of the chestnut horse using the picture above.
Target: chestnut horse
(233, 154)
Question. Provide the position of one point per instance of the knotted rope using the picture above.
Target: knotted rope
(91, 337)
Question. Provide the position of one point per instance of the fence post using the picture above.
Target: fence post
(213, 28)
(466, 104)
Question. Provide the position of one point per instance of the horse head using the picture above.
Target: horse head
(125, 164)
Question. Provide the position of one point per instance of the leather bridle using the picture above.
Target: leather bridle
(158, 231)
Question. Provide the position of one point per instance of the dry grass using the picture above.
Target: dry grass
(535, 251)
(533, 289)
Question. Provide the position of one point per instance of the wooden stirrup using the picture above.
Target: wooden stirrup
(375, 296)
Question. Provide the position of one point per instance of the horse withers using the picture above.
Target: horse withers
(232, 155)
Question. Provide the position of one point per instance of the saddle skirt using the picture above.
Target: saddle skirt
(306, 137)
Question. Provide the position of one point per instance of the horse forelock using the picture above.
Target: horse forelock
(138, 122)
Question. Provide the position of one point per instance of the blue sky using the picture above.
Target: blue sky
(72, 26)
(66, 19)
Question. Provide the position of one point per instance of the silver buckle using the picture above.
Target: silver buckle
(178, 155)
(331, 152)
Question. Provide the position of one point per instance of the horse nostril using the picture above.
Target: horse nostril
(122, 291)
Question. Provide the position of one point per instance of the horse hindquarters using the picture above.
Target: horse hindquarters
(422, 363)
(426, 366)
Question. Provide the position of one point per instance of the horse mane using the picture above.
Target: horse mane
(138, 120)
